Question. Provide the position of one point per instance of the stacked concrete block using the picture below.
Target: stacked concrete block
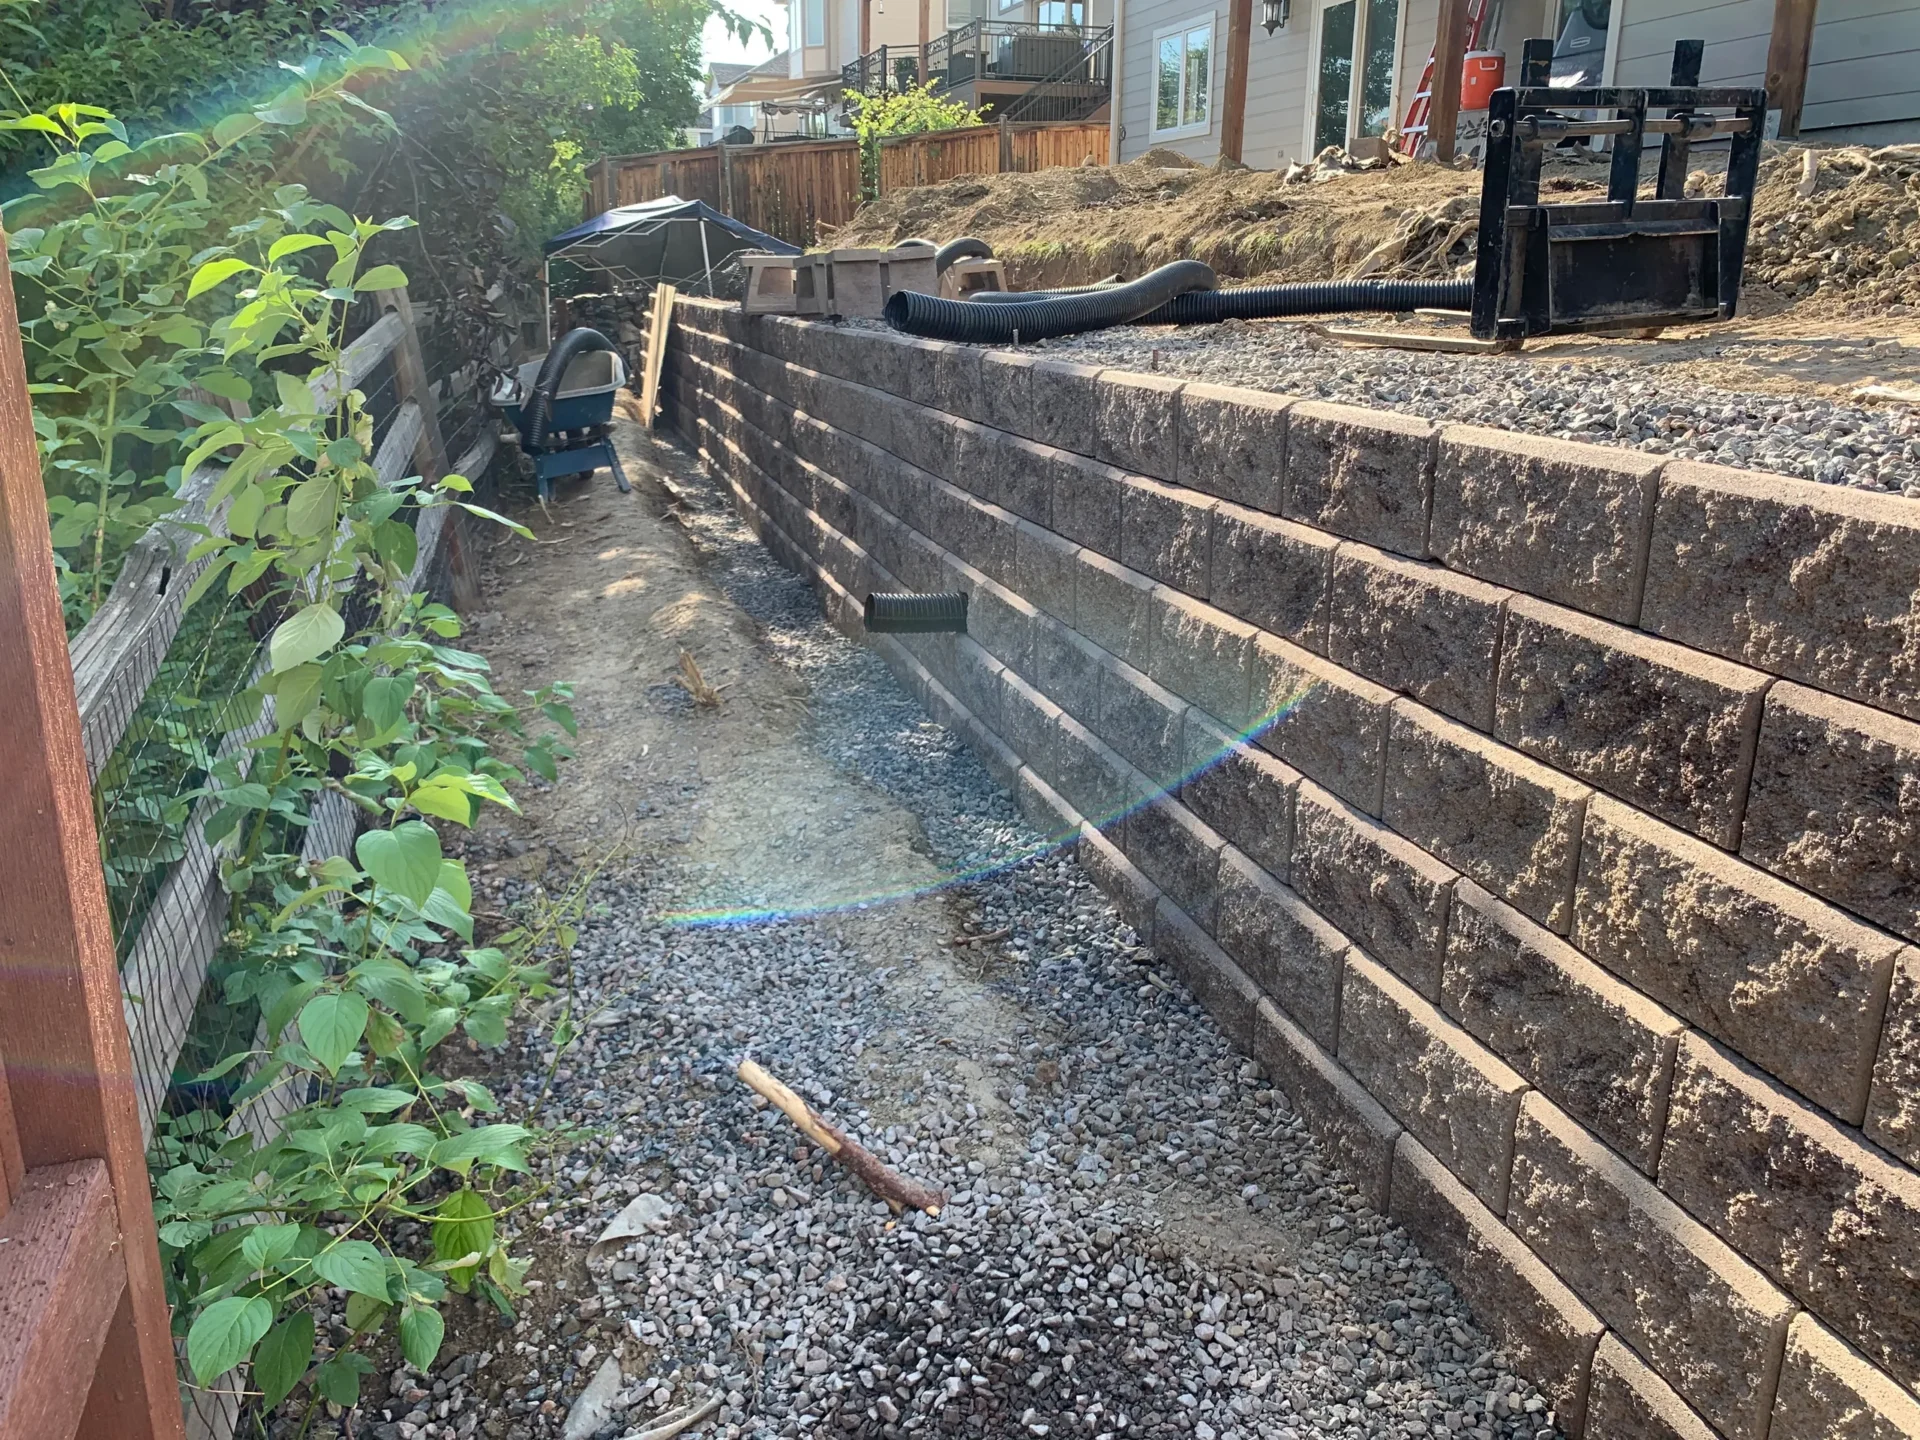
(1540, 816)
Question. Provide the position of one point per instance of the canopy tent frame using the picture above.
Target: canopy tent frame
(618, 244)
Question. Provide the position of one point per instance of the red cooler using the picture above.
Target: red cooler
(1482, 73)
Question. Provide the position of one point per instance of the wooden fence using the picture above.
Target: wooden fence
(89, 1043)
(801, 191)
(987, 150)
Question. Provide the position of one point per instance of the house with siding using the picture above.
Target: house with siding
(1342, 71)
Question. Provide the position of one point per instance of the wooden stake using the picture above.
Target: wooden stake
(1233, 109)
(895, 1189)
(1787, 53)
(1449, 58)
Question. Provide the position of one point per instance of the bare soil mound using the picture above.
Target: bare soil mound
(1850, 242)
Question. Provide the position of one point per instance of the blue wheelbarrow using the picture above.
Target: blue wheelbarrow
(562, 405)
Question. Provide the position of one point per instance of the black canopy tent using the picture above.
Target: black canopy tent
(669, 241)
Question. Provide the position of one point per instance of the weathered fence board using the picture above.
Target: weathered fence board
(909, 160)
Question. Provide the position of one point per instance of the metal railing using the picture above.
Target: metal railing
(890, 68)
(1076, 90)
(1005, 50)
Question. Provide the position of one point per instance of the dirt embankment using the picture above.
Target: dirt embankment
(1849, 242)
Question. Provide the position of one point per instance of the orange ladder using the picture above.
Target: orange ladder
(1418, 112)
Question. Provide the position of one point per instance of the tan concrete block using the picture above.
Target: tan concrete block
(1830, 1392)
(1538, 1323)
(1813, 582)
(1364, 474)
(1710, 1324)
(1133, 895)
(1451, 1093)
(1794, 985)
(1274, 573)
(1488, 811)
(1137, 423)
(1045, 809)
(1095, 779)
(1015, 474)
(1029, 723)
(1177, 852)
(1086, 502)
(1665, 728)
(1113, 607)
(1065, 400)
(1385, 893)
(1164, 532)
(1831, 1219)
(1241, 792)
(1629, 1400)
(1350, 1124)
(1142, 720)
(1893, 1112)
(1835, 804)
(1555, 519)
(1233, 443)
(1044, 569)
(1067, 666)
(1292, 954)
(1201, 654)
(1599, 1049)
(1220, 986)
(1417, 628)
(1328, 724)
(1006, 391)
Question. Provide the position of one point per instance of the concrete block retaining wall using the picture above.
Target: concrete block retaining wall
(1572, 895)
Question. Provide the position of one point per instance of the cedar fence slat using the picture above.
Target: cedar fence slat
(801, 191)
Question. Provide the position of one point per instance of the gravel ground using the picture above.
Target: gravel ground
(1140, 1238)
(1874, 448)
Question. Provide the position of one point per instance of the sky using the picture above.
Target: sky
(717, 44)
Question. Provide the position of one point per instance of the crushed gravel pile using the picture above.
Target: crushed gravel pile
(1809, 436)
(1140, 1238)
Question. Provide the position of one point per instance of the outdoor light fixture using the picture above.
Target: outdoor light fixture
(1274, 13)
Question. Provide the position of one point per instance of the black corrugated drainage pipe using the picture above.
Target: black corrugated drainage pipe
(1043, 319)
(906, 614)
(546, 385)
(1014, 297)
(1313, 297)
(967, 247)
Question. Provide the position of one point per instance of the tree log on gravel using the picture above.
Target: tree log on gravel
(898, 1191)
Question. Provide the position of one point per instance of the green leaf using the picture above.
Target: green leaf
(364, 1311)
(384, 701)
(485, 1028)
(338, 1379)
(421, 1330)
(463, 1227)
(405, 859)
(496, 1145)
(446, 802)
(305, 635)
(382, 277)
(213, 272)
(282, 1357)
(296, 396)
(311, 507)
(331, 1026)
(353, 1265)
(265, 1244)
(292, 245)
(243, 516)
(224, 1333)
(233, 128)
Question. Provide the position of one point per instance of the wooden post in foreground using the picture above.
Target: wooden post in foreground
(1233, 107)
(1449, 58)
(84, 1342)
(1787, 56)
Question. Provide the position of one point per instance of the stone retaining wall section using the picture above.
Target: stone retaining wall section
(1545, 818)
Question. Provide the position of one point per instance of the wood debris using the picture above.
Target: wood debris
(898, 1191)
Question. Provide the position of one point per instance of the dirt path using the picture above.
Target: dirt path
(1139, 1237)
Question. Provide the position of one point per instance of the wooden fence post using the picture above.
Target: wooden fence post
(430, 451)
(84, 1341)
(1006, 145)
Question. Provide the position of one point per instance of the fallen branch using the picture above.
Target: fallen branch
(895, 1189)
(986, 939)
(680, 1420)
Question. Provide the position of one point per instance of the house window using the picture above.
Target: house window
(1006, 5)
(816, 21)
(1183, 79)
(1063, 13)
(1355, 34)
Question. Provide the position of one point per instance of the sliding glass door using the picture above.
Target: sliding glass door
(1358, 41)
